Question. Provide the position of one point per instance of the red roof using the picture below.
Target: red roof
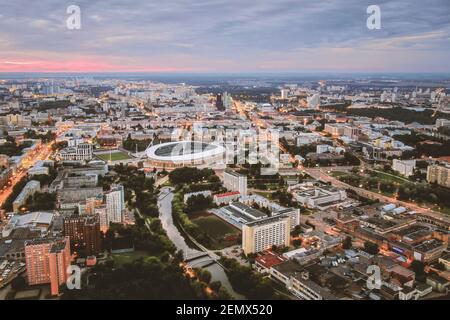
(269, 260)
(226, 194)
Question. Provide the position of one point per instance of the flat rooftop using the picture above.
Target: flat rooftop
(429, 245)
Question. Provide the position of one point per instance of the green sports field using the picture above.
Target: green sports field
(216, 229)
(115, 156)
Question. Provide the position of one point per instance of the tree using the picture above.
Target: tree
(419, 269)
(297, 243)
(198, 203)
(371, 247)
(19, 283)
(187, 175)
(204, 276)
(215, 285)
(297, 230)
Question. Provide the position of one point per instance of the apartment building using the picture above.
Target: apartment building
(262, 234)
(47, 261)
(84, 233)
(115, 204)
(234, 181)
(439, 174)
(404, 167)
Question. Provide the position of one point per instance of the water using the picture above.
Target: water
(165, 215)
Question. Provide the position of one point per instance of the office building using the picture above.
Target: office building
(318, 197)
(81, 152)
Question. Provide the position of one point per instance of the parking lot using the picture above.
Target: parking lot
(9, 270)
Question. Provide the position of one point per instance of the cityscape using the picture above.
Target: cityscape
(231, 181)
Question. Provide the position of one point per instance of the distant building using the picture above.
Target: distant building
(5, 176)
(284, 93)
(234, 181)
(81, 152)
(225, 198)
(442, 123)
(206, 193)
(262, 234)
(35, 221)
(219, 103)
(352, 132)
(318, 197)
(314, 101)
(335, 129)
(322, 148)
(47, 261)
(439, 174)
(404, 167)
(30, 189)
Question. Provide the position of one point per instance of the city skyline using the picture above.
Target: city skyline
(225, 36)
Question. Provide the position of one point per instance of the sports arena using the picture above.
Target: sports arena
(184, 153)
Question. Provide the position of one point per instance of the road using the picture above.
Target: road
(321, 174)
(161, 181)
(42, 153)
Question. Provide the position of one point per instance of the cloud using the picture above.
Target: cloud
(231, 35)
(18, 62)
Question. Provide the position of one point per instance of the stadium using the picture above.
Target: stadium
(184, 153)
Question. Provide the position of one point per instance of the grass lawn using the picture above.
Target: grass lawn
(391, 178)
(216, 229)
(115, 156)
(265, 194)
(337, 174)
(128, 257)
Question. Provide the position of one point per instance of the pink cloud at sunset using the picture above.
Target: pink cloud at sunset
(78, 65)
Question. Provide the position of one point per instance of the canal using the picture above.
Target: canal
(165, 214)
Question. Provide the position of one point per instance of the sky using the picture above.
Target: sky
(225, 36)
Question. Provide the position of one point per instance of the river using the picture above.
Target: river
(165, 214)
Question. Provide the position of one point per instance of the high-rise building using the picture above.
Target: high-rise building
(313, 101)
(84, 233)
(439, 174)
(47, 261)
(234, 181)
(102, 213)
(219, 102)
(226, 101)
(404, 167)
(115, 204)
(262, 234)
